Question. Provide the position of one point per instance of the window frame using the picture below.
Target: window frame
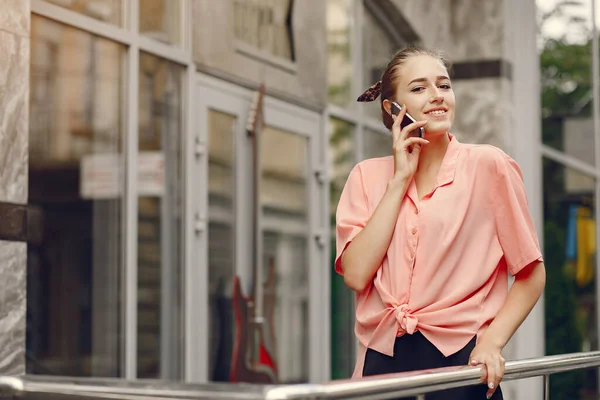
(260, 55)
(364, 125)
(128, 35)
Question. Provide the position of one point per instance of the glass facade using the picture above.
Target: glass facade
(78, 309)
(342, 157)
(566, 69)
(377, 144)
(359, 48)
(569, 187)
(160, 205)
(378, 49)
(340, 52)
(570, 253)
(109, 11)
(266, 26)
(74, 269)
(161, 20)
(221, 240)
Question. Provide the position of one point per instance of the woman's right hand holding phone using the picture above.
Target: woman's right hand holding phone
(406, 149)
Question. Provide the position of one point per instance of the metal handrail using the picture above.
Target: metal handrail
(420, 382)
(113, 388)
(406, 384)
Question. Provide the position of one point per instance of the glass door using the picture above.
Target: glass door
(260, 199)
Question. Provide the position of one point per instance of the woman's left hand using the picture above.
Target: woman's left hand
(489, 355)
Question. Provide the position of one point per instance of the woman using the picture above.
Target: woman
(426, 238)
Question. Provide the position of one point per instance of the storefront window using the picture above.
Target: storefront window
(160, 207)
(284, 222)
(161, 20)
(343, 343)
(342, 156)
(74, 267)
(109, 11)
(377, 144)
(569, 196)
(378, 50)
(340, 28)
(221, 244)
(570, 259)
(266, 26)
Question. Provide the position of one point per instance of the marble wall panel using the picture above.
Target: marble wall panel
(14, 17)
(14, 125)
(13, 258)
(14, 122)
(215, 52)
(483, 111)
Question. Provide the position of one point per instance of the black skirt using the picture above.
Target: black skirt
(415, 352)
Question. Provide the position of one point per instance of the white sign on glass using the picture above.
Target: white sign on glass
(101, 175)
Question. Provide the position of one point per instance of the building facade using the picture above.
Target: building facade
(150, 203)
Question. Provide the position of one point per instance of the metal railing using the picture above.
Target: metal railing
(416, 383)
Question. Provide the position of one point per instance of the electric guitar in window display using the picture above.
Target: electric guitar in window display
(254, 358)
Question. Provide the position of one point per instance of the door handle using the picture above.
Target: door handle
(199, 224)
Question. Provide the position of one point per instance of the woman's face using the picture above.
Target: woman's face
(425, 88)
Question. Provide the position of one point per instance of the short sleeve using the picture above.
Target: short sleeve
(352, 214)
(514, 224)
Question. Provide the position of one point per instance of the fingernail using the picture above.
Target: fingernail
(491, 385)
(488, 396)
(473, 361)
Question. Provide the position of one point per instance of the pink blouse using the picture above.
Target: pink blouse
(445, 271)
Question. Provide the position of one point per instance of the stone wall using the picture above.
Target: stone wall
(14, 122)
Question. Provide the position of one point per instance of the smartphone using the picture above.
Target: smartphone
(407, 120)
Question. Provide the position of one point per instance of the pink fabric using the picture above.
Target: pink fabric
(445, 273)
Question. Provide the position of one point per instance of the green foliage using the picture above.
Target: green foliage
(566, 86)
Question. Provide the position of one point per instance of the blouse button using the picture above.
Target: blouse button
(414, 231)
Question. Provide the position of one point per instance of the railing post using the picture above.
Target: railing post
(547, 387)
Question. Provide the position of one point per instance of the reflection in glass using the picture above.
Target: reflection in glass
(160, 294)
(342, 157)
(221, 249)
(566, 79)
(378, 49)
(74, 262)
(109, 11)
(161, 20)
(377, 144)
(284, 220)
(265, 25)
(340, 26)
(570, 259)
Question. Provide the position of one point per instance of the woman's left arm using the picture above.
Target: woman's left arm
(522, 297)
